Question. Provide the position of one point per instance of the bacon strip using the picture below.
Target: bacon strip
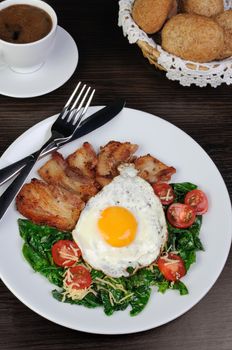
(83, 161)
(152, 169)
(110, 157)
(49, 204)
(56, 171)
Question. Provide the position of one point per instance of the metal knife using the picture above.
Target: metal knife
(91, 123)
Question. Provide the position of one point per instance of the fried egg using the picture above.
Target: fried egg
(122, 226)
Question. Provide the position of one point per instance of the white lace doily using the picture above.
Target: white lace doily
(215, 73)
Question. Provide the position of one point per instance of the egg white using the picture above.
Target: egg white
(133, 193)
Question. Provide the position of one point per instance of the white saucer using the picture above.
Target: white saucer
(57, 69)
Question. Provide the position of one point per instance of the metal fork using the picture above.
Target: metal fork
(69, 118)
(61, 131)
(11, 170)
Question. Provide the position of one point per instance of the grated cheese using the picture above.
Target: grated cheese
(71, 291)
(167, 197)
(118, 286)
(126, 297)
(70, 257)
(170, 261)
(111, 296)
(74, 294)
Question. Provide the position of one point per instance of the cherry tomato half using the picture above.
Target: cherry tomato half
(165, 192)
(65, 253)
(79, 277)
(171, 266)
(197, 200)
(181, 215)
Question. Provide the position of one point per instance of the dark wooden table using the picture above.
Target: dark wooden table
(117, 69)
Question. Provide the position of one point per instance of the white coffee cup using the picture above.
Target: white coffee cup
(27, 58)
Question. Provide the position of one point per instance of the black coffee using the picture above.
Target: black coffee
(22, 24)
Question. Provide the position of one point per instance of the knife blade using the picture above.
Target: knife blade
(93, 122)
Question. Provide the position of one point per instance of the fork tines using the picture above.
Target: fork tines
(84, 94)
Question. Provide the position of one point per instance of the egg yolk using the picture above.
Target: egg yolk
(118, 226)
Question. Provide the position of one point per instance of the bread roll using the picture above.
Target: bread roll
(193, 37)
(150, 15)
(225, 21)
(206, 8)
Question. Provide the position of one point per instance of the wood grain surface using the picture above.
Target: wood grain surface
(117, 69)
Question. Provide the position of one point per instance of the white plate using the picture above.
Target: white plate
(170, 145)
(58, 68)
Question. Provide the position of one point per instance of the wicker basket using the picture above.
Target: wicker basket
(150, 53)
(153, 54)
(187, 73)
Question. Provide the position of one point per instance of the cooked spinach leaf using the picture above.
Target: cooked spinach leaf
(112, 301)
(90, 300)
(181, 189)
(185, 241)
(143, 277)
(53, 273)
(96, 274)
(140, 299)
(113, 292)
(41, 238)
(181, 287)
(189, 257)
(37, 249)
(162, 286)
(105, 298)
